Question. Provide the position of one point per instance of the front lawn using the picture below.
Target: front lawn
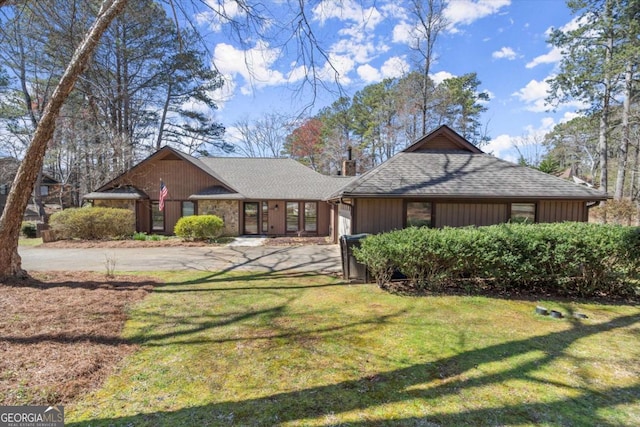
(294, 350)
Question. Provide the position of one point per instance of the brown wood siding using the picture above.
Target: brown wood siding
(181, 178)
(441, 142)
(378, 215)
(324, 218)
(277, 217)
(463, 214)
(143, 216)
(560, 211)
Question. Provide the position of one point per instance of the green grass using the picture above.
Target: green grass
(305, 350)
(23, 241)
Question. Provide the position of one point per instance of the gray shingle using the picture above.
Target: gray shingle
(268, 178)
(461, 174)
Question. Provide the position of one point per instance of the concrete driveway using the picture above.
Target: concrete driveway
(307, 258)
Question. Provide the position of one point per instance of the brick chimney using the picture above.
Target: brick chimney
(349, 165)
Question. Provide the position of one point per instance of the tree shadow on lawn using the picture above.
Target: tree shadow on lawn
(248, 277)
(426, 382)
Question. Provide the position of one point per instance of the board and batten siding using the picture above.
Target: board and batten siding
(464, 214)
(344, 220)
(182, 180)
(378, 215)
(560, 211)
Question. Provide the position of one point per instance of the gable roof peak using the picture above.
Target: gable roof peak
(443, 138)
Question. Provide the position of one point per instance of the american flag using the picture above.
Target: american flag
(163, 195)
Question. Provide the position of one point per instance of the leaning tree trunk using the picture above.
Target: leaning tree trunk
(10, 261)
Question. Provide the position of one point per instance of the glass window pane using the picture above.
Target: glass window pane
(292, 216)
(157, 217)
(310, 216)
(250, 218)
(44, 190)
(523, 212)
(188, 208)
(265, 217)
(419, 214)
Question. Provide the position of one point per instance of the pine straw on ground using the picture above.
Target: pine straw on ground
(60, 333)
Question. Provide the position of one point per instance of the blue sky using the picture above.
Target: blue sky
(503, 41)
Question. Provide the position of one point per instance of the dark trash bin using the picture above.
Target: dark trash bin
(352, 270)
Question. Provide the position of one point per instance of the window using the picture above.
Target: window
(188, 208)
(44, 190)
(418, 214)
(265, 217)
(523, 212)
(4, 189)
(251, 218)
(311, 216)
(157, 217)
(292, 216)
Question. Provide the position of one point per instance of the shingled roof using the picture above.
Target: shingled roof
(459, 171)
(245, 178)
(269, 178)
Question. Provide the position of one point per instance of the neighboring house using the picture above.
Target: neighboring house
(266, 196)
(51, 190)
(8, 169)
(443, 180)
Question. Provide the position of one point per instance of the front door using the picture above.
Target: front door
(251, 218)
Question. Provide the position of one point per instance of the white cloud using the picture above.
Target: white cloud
(533, 95)
(337, 68)
(213, 16)
(347, 10)
(441, 76)
(369, 74)
(360, 51)
(394, 10)
(254, 65)
(395, 66)
(499, 147)
(402, 33)
(551, 57)
(465, 12)
(504, 53)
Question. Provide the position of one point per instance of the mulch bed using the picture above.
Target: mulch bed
(60, 334)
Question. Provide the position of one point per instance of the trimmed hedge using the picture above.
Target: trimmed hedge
(577, 259)
(93, 223)
(199, 227)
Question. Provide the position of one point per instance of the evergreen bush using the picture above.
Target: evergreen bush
(577, 259)
(199, 227)
(29, 230)
(93, 223)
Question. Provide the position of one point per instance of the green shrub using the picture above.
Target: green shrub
(141, 236)
(29, 230)
(93, 223)
(199, 227)
(576, 259)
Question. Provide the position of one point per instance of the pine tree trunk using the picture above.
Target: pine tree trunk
(23, 184)
(624, 145)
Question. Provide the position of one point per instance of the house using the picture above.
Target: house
(266, 196)
(54, 194)
(8, 169)
(443, 180)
